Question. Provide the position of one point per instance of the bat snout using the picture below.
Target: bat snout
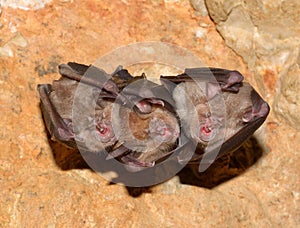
(162, 131)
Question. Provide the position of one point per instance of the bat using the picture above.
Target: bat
(57, 101)
(150, 136)
(150, 129)
(211, 102)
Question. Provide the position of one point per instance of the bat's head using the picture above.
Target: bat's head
(143, 132)
(210, 116)
(244, 113)
(104, 125)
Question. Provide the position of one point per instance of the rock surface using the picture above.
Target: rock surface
(270, 46)
(25, 4)
(44, 184)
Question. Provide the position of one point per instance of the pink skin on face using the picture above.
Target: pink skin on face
(207, 130)
(105, 131)
(161, 131)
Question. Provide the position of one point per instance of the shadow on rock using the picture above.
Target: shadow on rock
(222, 170)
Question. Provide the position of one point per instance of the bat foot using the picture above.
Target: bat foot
(260, 109)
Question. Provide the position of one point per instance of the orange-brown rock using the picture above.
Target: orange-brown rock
(46, 185)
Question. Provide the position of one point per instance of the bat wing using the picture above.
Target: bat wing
(59, 128)
(227, 79)
(89, 75)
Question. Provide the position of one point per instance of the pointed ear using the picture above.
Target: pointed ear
(143, 106)
(212, 90)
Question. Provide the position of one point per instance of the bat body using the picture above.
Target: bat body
(208, 108)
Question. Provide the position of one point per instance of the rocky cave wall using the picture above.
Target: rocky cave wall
(45, 185)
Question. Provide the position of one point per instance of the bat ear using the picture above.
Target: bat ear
(212, 90)
(143, 106)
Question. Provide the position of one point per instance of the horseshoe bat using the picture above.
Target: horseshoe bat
(149, 133)
(211, 102)
(149, 136)
(56, 102)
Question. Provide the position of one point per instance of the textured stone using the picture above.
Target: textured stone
(17, 40)
(287, 103)
(270, 46)
(46, 185)
(199, 6)
(25, 4)
(5, 50)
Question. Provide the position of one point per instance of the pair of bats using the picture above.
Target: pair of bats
(141, 123)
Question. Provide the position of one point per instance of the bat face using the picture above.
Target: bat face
(193, 109)
(241, 113)
(97, 133)
(149, 135)
(207, 126)
(103, 123)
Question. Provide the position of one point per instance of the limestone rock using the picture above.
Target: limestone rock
(287, 103)
(199, 5)
(25, 4)
(269, 45)
(46, 185)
